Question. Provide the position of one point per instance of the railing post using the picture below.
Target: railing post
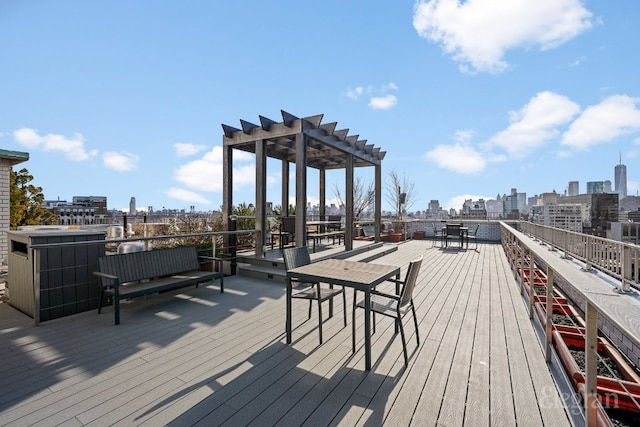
(233, 242)
(625, 269)
(554, 233)
(566, 245)
(144, 233)
(549, 312)
(590, 370)
(587, 255)
(531, 282)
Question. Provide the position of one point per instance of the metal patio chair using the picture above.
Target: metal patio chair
(472, 235)
(454, 232)
(437, 234)
(297, 257)
(393, 305)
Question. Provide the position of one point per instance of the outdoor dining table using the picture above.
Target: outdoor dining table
(360, 276)
(464, 235)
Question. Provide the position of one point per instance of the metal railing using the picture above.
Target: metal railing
(616, 259)
(604, 254)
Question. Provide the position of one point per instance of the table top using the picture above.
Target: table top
(359, 275)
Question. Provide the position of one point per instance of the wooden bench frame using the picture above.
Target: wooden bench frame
(135, 274)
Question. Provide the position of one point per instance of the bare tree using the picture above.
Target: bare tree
(363, 196)
(400, 193)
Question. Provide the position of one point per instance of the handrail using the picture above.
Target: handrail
(522, 255)
(616, 259)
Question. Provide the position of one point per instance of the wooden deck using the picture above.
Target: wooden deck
(198, 357)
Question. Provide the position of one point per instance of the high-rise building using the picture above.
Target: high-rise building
(573, 189)
(595, 187)
(132, 206)
(621, 179)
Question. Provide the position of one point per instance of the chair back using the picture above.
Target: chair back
(337, 219)
(410, 281)
(453, 230)
(289, 224)
(296, 257)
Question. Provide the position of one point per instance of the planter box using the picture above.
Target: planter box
(612, 393)
(418, 235)
(393, 237)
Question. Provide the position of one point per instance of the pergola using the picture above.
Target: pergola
(309, 144)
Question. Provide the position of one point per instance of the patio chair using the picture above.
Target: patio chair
(297, 257)
(437, 234)
(393, 305)
(472, 235)
(334, 227)
(453, 232)
(287, 230)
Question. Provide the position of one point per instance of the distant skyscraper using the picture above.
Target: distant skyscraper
(621, 179)
(574, 188)
(132, 206)
(596, 187)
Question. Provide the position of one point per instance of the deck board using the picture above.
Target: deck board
(198, 357)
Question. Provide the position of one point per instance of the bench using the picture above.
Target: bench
(135, 274)
(317, 237)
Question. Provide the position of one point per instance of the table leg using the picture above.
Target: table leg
(367, 329)
(288, 322)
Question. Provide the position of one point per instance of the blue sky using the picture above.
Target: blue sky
(469, 99)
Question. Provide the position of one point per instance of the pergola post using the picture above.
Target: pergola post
(322, 190)
(377, 209)
(349, 219)
(285, 188)
(301, 189)
(261, 194)
(227, 188)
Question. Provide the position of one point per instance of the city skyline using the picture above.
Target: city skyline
(468, 99)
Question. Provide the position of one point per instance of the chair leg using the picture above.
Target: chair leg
(404, 342)
(101, 299)
(319, 314)
(353, 323)
(415, 322)
(344, 305)
(310, 304)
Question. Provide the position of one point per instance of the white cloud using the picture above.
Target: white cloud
(615, 116)
(120, 162)
(187, 149)
(383, 102)
(458, 201)
(205, 174)
(459, 157)
(186, 196)
(390, 86)
(535, 124)
(355, 93)
(72, 148)
(477, 33)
